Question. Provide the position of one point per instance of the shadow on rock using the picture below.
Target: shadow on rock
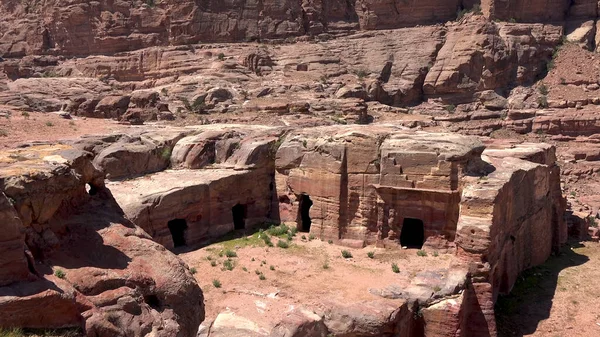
(530, 301)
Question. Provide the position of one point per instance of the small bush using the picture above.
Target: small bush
(303, 237)
(213, 263)
(543, 101)
(421, 253)
(244, 269)
(257, 272)
(3, 133)
(221, 253)
(362, 73)
(228, 265)
(221, 56)
(60, 273)
(395, 268)
(563, 81)
(216, 283)
(272, 267)
(262, 277)
(293, 231)
(436, 254)
(280, 230)
(25, 114)
(282, 244)
(543, 89)
(311, 237)
(325, 265)
(193, 271)
(450, 108)
(592, 221)
(437, 288)
(371, 254)
(346, 254)
(49, 124)
(230, 253)
(209, 258)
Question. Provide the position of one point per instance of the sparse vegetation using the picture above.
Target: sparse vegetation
(221, 56)
(262, 277)
(193, 271)
(3, 133)
(361, 74)
(311, 237)
(395, 268)
(198, 106)
(371, 254)
(25, 114)
(230, 253)
(49, 124)
(216, 283)
(450, 108)
(60, 273)
(228, 265)
(213, 263)
(283, 244)
(326, 265)
(272, 267)
(330, 242)
(563, 81)
(421, 253)
(592, 221)
(346, 254)
(542, 101)
(437, 288)
(244, 269)
(436, 254)
(543, 89)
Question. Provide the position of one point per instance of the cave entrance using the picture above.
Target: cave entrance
(239, 216)
(304, 210)
(412, 234)
(178, 227)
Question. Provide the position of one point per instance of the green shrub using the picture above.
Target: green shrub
(221, 56)
(421, 253)
(228, 265)
(60, 273)
(543, 89)
(280, 230)
(262, 277)
(311, 237)
(49, 124)
(371, 254)
(325, 265)
(330, 242)
(346, 254)
(450, 108)
(216, 283)
(436, 254)
(257, 272)
(230, 253)
(193, 271)
(282, 244)
(437, 288)
(395, 268)
(213, 263)
(25, 114)
(272, 267)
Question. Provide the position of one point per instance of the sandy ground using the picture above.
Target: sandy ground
(309, 273)
(36, 126)
(558, 299)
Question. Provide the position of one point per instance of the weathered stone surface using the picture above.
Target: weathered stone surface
(13, 261)
(353, 171)
(464, 65)
(113, 280)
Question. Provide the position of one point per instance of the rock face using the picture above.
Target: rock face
(90, 267)
(360, 184)
(192, 205)
(465, 65)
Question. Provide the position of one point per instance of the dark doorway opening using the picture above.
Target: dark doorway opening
(239, 216)
(178, 227)
(304, 210)
(412, 234)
